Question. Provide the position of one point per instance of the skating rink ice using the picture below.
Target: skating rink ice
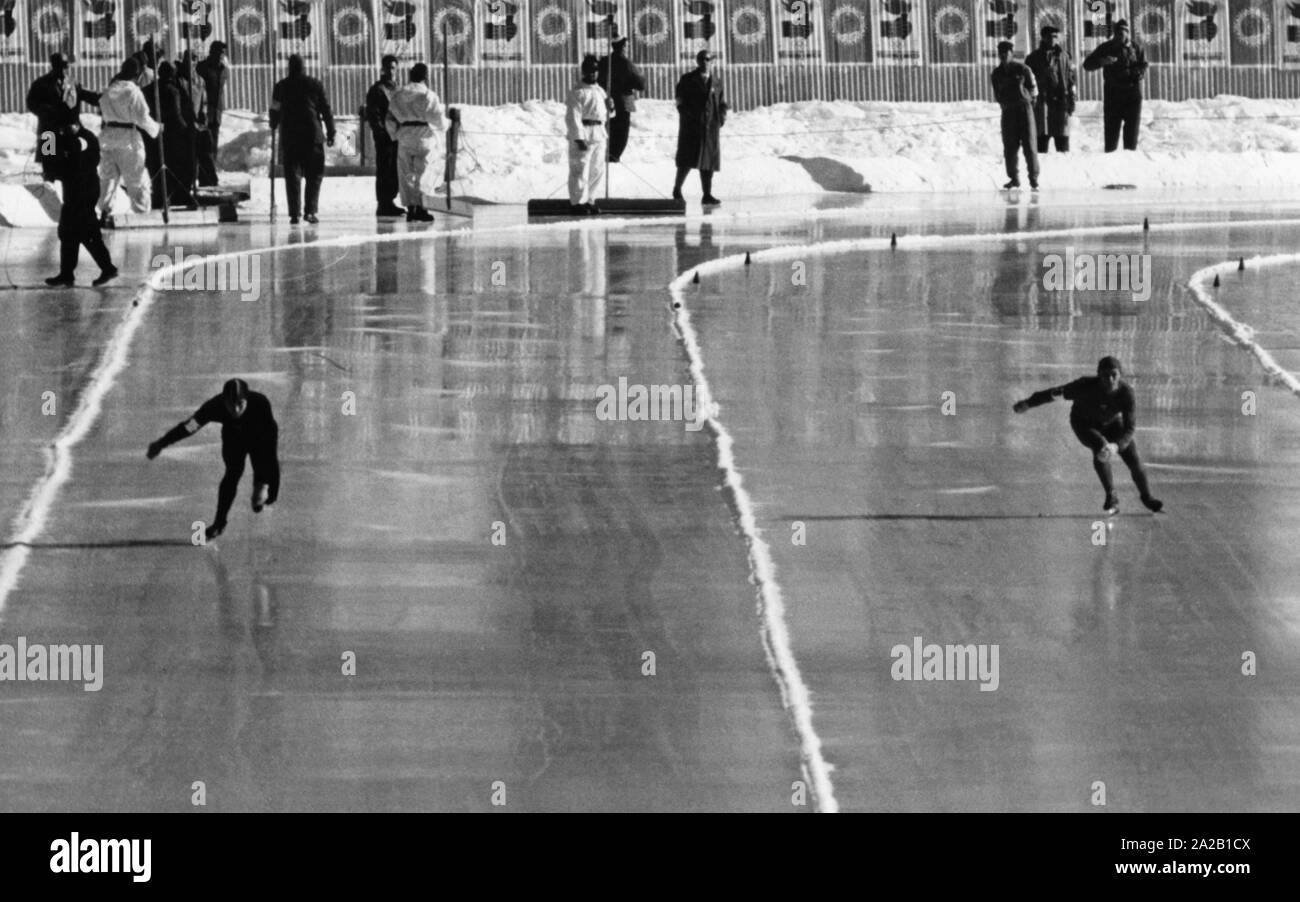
(477, 595)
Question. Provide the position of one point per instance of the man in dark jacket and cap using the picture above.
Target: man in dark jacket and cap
(1015, 90)
(176, 113)
(55, 99)
(620, 79)
(298, 109)
(1054, 72)
(75, 162)
(1123, 65)
(701, 113)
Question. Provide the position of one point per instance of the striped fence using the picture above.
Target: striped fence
(770, 51)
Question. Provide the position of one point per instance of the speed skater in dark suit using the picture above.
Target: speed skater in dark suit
(247, 430)
(1103, 419)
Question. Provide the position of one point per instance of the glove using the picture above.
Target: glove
(453, 113)
(1020, 407)
(1108, 452)
(329, 140)
(155, 448)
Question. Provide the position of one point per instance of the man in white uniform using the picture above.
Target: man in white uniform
(125, 114)
(415, 122)
(586, 111)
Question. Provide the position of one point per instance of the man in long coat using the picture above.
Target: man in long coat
(55, 99)
(701, 113)
(1015, 90)
(1054, 71)
(298, 109)
(213, 73)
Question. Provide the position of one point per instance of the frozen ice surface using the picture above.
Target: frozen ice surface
(473, 362)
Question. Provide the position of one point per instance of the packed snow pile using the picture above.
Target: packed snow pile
(517, 151)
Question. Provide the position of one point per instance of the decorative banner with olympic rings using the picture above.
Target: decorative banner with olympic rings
(701, 24)
(1152, 26)
(953, 26)
(202, 21)
(749, 32)
(505, 23)
(100, 32)
(599, 22)
(1003, 20)
(1253, 34)
(401, 30)
(351, 33)
(249, 33)
(301, 27)
(553, 29)
(456, 18)
(1203, 28)
(651, 30)
(850, 37)
(1098, 19)
(800, 31)
(901, 22)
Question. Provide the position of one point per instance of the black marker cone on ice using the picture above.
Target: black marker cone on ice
(747, 260)
(1216, 280)
(1241, 264)
(696, 279)
(1146, 224)
(893, 240)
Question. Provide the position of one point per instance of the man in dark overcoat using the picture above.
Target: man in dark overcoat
(701, 113)
(621, 79)
(298, 109)
(1054, 71)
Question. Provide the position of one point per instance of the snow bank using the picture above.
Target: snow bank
(517, 151)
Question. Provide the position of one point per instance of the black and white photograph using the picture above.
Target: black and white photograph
(879, 407)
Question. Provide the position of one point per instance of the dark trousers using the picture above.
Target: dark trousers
(78, 226)
(1052, 120)
(1018, 134)
(208, 155)
(385, 168)
(266, 469)
(178, 154)
(1128, 453)
(300, 162)
(618, 129)
(1062, 143)
(1122, 105)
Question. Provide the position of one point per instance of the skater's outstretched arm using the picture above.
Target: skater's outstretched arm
(1039, 398)
(204, 415)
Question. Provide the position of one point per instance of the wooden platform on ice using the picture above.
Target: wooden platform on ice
(614, 206)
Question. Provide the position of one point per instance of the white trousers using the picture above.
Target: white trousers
(121, 156)
(587, 167)
(415, 151)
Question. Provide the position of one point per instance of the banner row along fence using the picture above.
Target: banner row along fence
(770, 51)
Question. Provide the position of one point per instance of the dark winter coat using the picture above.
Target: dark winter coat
(1054, 70)
(626, 79)
(48, 99)
(298, 108)
(214, 83)
(701, 112)
(1121, 66)
(377, 109)
(1013, 85)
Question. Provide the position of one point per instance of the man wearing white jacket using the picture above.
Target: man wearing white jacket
(415, 122)
(586, 110)
(121, 147)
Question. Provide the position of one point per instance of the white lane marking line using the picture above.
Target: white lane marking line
(1238, 332)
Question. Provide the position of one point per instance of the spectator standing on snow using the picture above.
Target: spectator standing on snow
(1054, 71)
(126, 115)
(213, 73)
(387, 183)
(586, 110)
(415, 121)
(55, 99)
(1123, 65)
(701, 113)
(1015, 90)
(299, 109)
(619, 77)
